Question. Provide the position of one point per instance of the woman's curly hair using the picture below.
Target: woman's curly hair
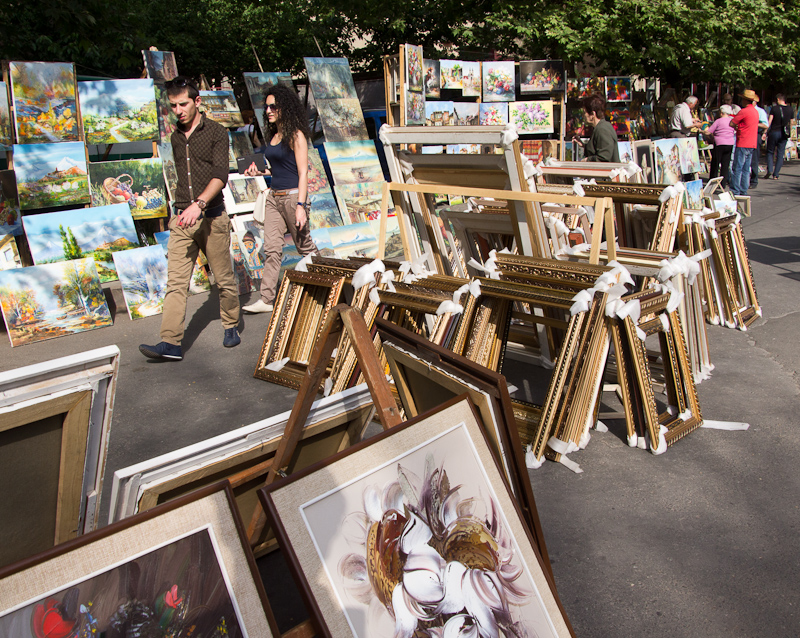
(291, 115)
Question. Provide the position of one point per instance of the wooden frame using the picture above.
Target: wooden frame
(295, 505)
(221, 573)
(72, 397)
(301, 307)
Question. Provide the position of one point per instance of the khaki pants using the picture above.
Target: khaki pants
(213, 237)
(279, 218)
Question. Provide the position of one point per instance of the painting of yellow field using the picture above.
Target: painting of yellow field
(52, 300)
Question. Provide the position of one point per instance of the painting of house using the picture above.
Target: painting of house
(45, 104)
(221, 107)
(361, 201)
(353, 162)
(139, 183)
(83, 232)
(118, 111)
(143, 275)
(330, 78)
(51, 174)
(52, 300)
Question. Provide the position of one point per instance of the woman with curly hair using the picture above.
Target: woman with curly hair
(287, 204)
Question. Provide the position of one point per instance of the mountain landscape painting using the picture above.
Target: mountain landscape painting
(53, 300)
(51, 174)
(357, 240)
(118, 111)
(45, 104)
(84, 232)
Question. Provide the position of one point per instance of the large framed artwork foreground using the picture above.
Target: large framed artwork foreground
(414, 533)
(182, 569)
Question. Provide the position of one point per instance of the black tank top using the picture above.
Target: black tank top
(284, 167)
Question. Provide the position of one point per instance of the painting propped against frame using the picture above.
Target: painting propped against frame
(51, 174)
(53, 445)
(410, 476)
(182, 569)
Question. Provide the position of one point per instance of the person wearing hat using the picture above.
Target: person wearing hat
(746, 124)
(724, 137)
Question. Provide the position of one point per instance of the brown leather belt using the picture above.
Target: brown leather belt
(288, 191)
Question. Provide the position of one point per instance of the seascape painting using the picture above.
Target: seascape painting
(5, 119)
(362, 202)
(10, 216)
(693, 195)
(199, 281)
(45, 103)
(143, 275)
(415, 109)
(239, 145)
(353, 162)
(139, 183)
(118, 111)
(437, 518)
(668, 161)
(342, 120)
(177, 589)
(450, 74)
(52, 300)
(357, 240)
(432, 79)
(494, 114)
(257, 85)
(471, 79)
(618, 89)
(221, 107)
(51, 174)
(83, 232)
(499, 84)
(532, 117)
(413, 62)
(160, 65)
(324, 211)
(168, 165)
(541, 76)
(466, 113)
(330, 78)
(440, 113)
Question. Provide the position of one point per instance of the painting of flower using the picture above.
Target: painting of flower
(139, 183)
(532, 117)
(541, 76)
(420, 547)
(494, 114)
(415, 109)
(413, 67)
(498, 82)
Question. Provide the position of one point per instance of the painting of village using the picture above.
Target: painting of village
(257, 85)
(342, 120)
(139, 183)
(354, 162)
(330, 78)
(143, 275)
(84, 232)
(221, 107)
(362, 202)
(5, 119)
(118, 111)
(10, 217)
(199, 281)
(53, 300)
(160, 65)
(51, 174)
(45, 103)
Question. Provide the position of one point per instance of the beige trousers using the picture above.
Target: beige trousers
(279, 218)
(213, 237)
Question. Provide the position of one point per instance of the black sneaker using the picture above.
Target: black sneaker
(163, 350)
(232, 338)
(768, 176)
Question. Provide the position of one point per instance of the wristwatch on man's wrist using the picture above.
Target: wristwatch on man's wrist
(201, 203)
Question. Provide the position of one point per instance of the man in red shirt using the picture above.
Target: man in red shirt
(746, 124)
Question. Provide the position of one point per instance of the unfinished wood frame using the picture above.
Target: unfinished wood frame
(301, 307)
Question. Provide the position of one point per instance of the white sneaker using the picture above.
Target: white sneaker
(258, 306)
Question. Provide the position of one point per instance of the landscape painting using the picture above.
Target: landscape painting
(139, 183)
(413, 67)
(432, 79)
(324, 212)
(160, 65)
(532, 117)
(499, 84)
(466, 113)
(83, 232)
(143, 275)
(362, 202)
(5, 119)
(257, 85)
(342, 120)
(353, 162)
(52, 300)
(177, 589)
(221, 107)
(393, 242)
(45, 103)
(450, 74)
(494, 114)
(118, 111)
(541, 76)
(51, 174)
(330, 78)
(199, 281)
(10, 216)
(357, 240)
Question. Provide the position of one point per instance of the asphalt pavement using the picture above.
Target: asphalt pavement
(699, 541)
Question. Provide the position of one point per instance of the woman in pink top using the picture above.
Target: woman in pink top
(724, 137)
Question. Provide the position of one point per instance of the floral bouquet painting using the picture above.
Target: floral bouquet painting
(532, 117)
(498, 82)
(494, 114)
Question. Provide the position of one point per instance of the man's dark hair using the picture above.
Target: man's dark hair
(780, 96)
(595, 104)
(181, 83)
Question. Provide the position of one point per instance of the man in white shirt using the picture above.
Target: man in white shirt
(681, 120)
